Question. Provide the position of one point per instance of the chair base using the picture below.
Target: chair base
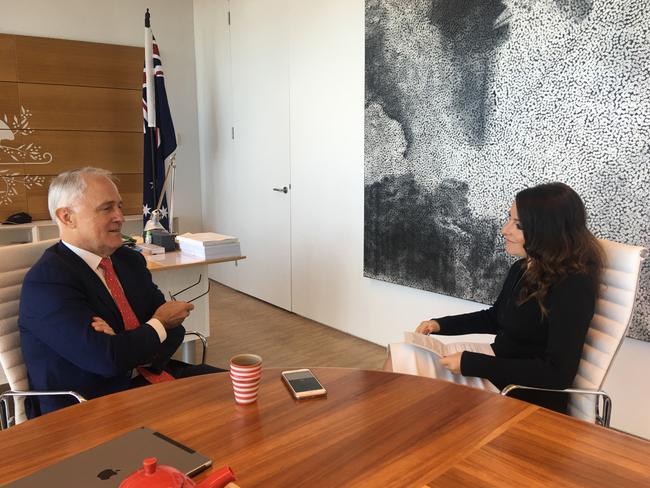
(602, 420)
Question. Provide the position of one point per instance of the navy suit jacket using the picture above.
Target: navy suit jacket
(60, 295)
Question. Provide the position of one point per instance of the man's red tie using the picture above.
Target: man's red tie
(128, 316)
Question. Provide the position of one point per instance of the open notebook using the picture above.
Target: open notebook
(107, 464)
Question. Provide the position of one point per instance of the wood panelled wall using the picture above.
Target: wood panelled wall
(66, 104)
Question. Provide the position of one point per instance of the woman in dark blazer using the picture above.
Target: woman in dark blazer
(542, 314)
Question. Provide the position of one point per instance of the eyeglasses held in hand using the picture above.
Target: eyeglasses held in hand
(174, 295)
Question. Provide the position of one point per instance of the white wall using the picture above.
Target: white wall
(327, 137)
(122, 22)
(215, 114)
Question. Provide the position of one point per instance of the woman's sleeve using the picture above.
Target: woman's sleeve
(483, 321)
(571, 306)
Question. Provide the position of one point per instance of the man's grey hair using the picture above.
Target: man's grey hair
(66, 189)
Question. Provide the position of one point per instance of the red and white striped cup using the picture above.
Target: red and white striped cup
(246, 374)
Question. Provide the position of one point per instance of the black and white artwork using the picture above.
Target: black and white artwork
(469, 101)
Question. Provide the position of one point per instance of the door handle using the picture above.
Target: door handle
(284, 189)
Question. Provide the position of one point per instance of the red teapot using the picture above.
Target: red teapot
(150, 475)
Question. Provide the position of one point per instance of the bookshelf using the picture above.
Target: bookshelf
(41, 230)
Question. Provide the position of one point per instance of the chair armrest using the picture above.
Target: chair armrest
(204, 342)
(607, 401)
(510, 388)
(6, 422)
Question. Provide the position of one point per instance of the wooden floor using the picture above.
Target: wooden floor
(243, 324)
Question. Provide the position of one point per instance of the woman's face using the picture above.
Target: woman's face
(513, 234)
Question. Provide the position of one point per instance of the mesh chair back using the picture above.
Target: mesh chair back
(614, 306)
(15, 261)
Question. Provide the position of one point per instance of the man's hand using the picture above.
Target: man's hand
(100, 325)
(428, 327)
(172, 314)
(452, 362)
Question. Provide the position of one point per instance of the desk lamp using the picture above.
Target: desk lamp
(154, 221)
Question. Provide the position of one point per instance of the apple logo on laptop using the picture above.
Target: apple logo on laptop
(106, 474)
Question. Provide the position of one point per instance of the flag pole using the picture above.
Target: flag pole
(159, 128)
(151, 96)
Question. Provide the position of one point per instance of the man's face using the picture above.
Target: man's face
(94, 222)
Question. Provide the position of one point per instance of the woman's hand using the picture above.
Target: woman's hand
(428, 327)
(100, 325)
(452, 362)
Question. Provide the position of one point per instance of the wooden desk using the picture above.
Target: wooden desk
(374, 429)
(178, 259)
(175, 271)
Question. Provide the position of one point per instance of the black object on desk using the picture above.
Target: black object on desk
(164, 239)
(18, 218)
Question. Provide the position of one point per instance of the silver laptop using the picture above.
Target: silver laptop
(109, 463)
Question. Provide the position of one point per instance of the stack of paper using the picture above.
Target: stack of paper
(209, 245)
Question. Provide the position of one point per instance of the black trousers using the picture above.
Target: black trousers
(179, 369)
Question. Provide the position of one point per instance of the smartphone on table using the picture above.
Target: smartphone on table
(303, 384)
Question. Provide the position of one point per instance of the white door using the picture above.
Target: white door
(259, 210)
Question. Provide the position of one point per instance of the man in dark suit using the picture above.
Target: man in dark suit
(91, 319)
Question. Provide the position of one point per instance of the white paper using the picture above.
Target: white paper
(430, 343)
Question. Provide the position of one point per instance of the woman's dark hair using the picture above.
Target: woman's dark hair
(557, 242)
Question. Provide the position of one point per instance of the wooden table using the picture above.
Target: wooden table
(374, 429)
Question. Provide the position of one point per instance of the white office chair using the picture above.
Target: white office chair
(614, 307)
(15, 261)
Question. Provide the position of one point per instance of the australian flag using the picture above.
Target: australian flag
(159, 135)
